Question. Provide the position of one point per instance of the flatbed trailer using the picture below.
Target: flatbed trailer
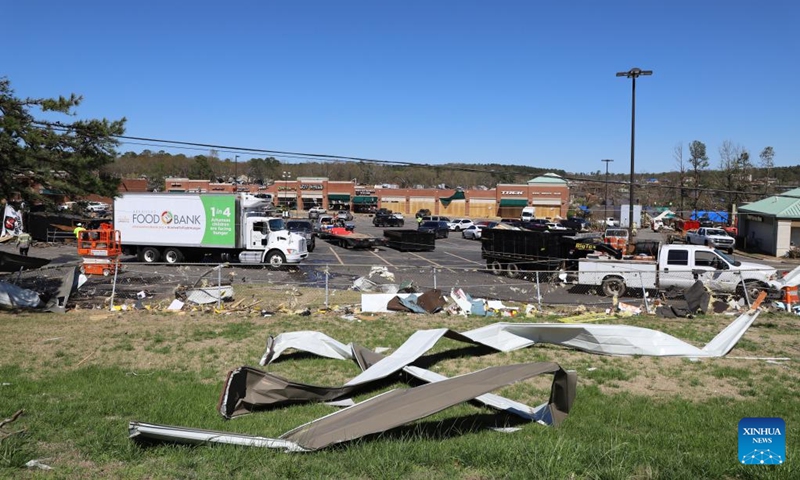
(350, 239)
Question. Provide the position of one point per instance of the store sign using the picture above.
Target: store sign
(285, 188)
(363, 192)
(512, 192)
(755, 218)
(311, 186)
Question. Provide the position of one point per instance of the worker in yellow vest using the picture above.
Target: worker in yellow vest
(78, 229)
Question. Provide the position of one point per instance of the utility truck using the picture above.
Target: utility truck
(676, 266)
(177, 227)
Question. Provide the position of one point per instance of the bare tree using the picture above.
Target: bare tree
(767, 163)
(699, 162)
(735, 171)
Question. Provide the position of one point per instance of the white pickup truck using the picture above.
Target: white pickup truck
(677, 266)
(711, 237)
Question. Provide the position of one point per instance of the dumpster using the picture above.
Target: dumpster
(410, 240)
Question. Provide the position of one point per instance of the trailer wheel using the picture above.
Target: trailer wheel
(512, 270)
(495, 267)
(276, 259)
(613, 286)
(173, 256)
(150, 255)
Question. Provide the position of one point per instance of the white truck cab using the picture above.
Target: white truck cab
(274, 244)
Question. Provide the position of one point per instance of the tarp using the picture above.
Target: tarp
(458, 195)
(716, 217)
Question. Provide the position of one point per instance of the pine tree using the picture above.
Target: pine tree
(37, 157)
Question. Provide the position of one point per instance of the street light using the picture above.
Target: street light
(605, 210)
(633, 74)
(286, 176)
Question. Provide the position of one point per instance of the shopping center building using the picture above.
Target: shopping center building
(548, 194)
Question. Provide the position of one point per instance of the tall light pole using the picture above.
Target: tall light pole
(235, 169)
(286, 176)
(605, 210)
(633, 74)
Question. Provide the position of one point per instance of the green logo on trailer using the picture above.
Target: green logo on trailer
(220, 220)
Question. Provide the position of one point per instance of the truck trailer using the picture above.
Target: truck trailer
(177, 227)
(512, 252)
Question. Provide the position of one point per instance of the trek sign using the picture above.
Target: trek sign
(177, 219)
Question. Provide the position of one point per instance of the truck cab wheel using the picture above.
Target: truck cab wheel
(150, 255)
(311, 246)
(173, 256)
(754, 287)
(276, 259)
(613, 286)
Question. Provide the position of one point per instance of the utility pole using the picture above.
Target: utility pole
(605, 210)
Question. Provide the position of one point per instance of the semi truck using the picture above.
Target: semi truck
(177, 227)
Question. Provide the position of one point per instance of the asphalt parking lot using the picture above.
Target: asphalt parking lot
(455, 263)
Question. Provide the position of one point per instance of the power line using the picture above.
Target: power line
(343, 158)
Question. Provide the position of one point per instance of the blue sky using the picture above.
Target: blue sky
(527, 83)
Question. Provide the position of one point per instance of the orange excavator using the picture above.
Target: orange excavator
(100, 250)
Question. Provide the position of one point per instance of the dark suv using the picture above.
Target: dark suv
(441, 229)
(385, 218)
(304, 228)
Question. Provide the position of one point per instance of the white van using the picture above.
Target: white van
(528, 214)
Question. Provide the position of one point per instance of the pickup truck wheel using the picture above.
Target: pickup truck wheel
(311, 246)
(173, 256)
(276, 259)
(150, 255)
(402, 222)
(512, 270)
(754, 287)
(495, 267)
(613, 286)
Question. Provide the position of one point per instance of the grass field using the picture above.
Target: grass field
(81, 377)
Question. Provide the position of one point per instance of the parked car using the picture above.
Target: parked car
(536, 224)
(577, 224)
(304, 228)
(97, 207)
(440, 228)
(345, 215)
(435, 218)
(473, 232)
(385, 218)
(315, 212)
(555, 226)
(459, 224)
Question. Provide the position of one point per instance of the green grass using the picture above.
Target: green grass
(77, 415)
